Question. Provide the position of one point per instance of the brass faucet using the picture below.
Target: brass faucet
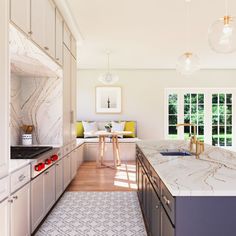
(193, 140)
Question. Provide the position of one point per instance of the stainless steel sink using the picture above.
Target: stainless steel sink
(175, 153)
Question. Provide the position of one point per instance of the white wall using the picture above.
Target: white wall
(143, 95)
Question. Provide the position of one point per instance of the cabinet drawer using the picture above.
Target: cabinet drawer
(73, 145)
(168, 202)
(156, 182)
(19, 178)
(4, 188)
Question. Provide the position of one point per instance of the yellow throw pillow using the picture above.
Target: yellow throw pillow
(79, 129)
(130, 126)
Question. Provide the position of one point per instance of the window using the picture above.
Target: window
(222, 119)
(211, 110)
(194, 114)
(172, 116)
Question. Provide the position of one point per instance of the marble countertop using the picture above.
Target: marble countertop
(213, 174)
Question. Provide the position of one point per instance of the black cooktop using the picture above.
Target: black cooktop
(24, 152)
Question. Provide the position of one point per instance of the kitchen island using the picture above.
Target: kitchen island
(185, 196)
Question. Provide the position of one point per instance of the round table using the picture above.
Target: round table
(114, 135)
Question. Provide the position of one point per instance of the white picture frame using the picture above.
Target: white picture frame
(108, 100)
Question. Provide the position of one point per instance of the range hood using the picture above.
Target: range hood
(28, 60)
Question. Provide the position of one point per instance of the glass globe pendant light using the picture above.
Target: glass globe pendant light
(108, 78)
(188, 63)
(222, 35)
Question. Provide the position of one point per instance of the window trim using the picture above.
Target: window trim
(207, 111)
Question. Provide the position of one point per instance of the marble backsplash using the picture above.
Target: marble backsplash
(37, 101)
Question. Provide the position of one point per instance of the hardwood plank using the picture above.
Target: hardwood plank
(91, 178)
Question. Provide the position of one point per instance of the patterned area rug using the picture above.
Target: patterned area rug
(95, 214)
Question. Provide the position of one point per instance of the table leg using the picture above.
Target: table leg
(114, 150)
(117, 152)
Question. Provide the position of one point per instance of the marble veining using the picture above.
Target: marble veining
(214, 174)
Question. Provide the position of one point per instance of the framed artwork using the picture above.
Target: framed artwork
(108, 99)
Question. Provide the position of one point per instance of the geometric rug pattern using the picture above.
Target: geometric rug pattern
(95, 214)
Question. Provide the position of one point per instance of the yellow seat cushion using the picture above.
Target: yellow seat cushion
(130, 126)
(79, 129)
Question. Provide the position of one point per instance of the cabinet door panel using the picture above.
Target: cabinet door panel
(49, 44)
(49, 188)
(59, 37)
(74, 163)
(155, 216)
(38, 16)
(20, 14)
(4, 218)
(66, 170)
(59, 179)
(37, 202)
(166, 226)
(20, 212)
(66, 96)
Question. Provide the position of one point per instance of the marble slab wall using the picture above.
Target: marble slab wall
(37, 101)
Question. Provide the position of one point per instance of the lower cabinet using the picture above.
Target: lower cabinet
(20, 212)
(59, 178)
(156, 218)
(66, 170)
(74, 163)
(42, 196)
(4, 218)
(80, 154)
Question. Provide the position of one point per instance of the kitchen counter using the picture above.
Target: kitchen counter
(213, 174)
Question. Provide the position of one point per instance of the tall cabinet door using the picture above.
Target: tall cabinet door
(49, 188)
(73, 97)
(49, 44)
(4, 218)
(59, 37)
(59, 179)
(37, 202)
(66, 96)
(66, 170)
(4, 88)
(38, 22)
(20, 212)
(20, 14)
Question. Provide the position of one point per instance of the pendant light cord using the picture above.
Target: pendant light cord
(188, 24)
(226, 8)
(108, 62)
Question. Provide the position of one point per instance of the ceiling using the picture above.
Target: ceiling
(146, 34)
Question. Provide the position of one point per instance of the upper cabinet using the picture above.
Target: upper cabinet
(20, 14)
(43, 24)
(38, 21)
(59, 37)
(41, 21)
(49, 34)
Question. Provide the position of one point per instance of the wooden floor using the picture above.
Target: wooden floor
(90, 178)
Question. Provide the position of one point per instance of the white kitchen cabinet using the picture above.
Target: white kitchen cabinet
(80, 153)
(74, 163)
(67, 36)
(20, 14)
(66, 97)
(4, 218)
(59, 37)
(49, 188)
(73, 98)
(66, 170)
(20, 212)
(59, 179)
(42, 196)
(38, 16)
(50, 17)
(37, 202)
(73, 46)
(4, 87)
(43, 24)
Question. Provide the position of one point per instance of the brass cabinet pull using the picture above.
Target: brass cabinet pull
(46, 48)
(15, 197)
(166, 200)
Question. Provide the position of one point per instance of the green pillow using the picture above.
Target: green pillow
(79, 129)
(130, 126)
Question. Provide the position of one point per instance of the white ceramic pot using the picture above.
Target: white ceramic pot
(27, 139)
